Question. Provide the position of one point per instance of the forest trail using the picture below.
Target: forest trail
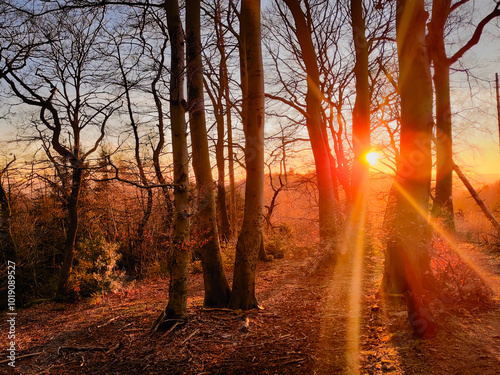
(307, 325)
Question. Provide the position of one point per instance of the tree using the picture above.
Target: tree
(7, 243)
(61, 81)
(252, 82)
(218, 85)
(215, 83)
(217, 292)
(179, 254)
(137, 241)
(361, 110)
(407, 263)
(8, 246)
(441, 10)
(315, 127)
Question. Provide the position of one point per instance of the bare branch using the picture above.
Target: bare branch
(476, 36)
(140, 186)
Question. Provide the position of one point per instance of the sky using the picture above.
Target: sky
(476, 123)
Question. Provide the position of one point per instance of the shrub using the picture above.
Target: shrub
(95, 267)
(456, 279)
(278, 241)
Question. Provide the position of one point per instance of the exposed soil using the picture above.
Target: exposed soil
(310, 323)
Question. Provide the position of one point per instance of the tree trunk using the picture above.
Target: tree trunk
(137, 242)
(7, 244)
(317, 132)
(486, 211)
(443, 201)
(407, 264)
(250, 237)
(497, 87)
(223, 93)
(158, 149)
(73, 218)
(217, 292)
(179, 257)
(361, 111)
(8, 250)
(225, 227)
(230, 158)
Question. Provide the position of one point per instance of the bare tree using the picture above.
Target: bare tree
(63, 82)
(361, 110)
(217, 292)
(179, 257)
(441, 10)
(407, 263)
(252, 82)
(7, 243)
(314, 123)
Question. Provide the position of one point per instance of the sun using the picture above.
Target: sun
(372, 157)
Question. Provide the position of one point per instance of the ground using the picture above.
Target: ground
(310, 323)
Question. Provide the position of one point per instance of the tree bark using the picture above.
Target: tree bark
(159, 147)
(443, 201)
(223, 93)
(137, 242)
(250, 237)
(8, 248)
(73, 222)
(361, 111)
(225, 226)
(179, 253)
(7, 243)
(217, 292)
(317, 132)
(407, 263)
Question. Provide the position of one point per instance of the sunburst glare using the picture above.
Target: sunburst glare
(372, 157)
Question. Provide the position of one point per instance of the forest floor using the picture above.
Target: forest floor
(310, 323)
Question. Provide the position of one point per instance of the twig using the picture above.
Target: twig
(172, 328)
(109, 321)
(291, 361)
(190, 336)
(134, 329)
(81, 348)
(22, 356)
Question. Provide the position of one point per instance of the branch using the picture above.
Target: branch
(476, 36)
(88, 4)
(389, 76)
(288, 102)
(7, 166)
(457, 5)
(118, 178)
(101, 135)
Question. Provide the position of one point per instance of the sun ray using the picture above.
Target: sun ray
(488, 278)
(357, 231)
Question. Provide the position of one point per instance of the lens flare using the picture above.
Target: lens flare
(372, 157)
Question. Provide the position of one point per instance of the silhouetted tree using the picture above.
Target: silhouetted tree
(315, 126)
(407, 263)
(361, 110)
(441, 10)
(217, 292)
(179, 254)
(252, 83)
(61, 81)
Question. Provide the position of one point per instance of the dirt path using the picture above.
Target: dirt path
(310, 324)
